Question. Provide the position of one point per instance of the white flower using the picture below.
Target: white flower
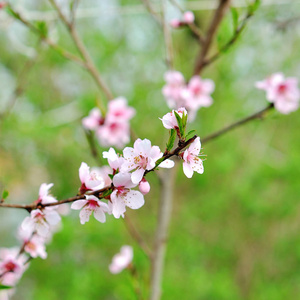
(121, 260)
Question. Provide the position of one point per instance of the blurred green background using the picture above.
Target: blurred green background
(235, 229)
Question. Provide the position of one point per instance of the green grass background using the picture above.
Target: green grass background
(235, 229)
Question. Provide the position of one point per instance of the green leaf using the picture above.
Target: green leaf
(42, 27)
(253, 7)
(190, 133)
(180, 124)
(5, 194)
(171, 140)
(106, 193)
(111, 176)
(5, 287)
(235, 18)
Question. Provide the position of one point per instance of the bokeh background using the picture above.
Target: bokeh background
(235, 229)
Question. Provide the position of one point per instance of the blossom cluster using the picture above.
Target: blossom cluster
(35, 232)
(282, 92)
(192, 95)
(113, 129)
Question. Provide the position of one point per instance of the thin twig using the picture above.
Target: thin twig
(258, 115)
(150, 9)
(193, 27)
(234, 38)
(137, 236)
(89, 64)
(215, 22)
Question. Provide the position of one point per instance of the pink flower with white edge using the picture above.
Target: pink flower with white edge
(41, 221)
(34, 245)
(90, 181)
(192, 163)
(114, 160)
(121, 260)
(119, 111)
(173, 89)
(169, 120)
(93, 120)
(88, 206)
(188, 17)
(123, 196)
(198, 93)
(142, 157)
(114, 134)
(281, 91)
(44, 197)
(144, 186)
(104, 172)
(12, 265)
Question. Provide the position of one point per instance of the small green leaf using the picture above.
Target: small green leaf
(253, 7)
(12, 13)
(5, 194)
(5, 287)
(235, 17)
(191, 132)
(111, 176)
(42, 27)
(180, 124)
(171, 140)
(106, 193)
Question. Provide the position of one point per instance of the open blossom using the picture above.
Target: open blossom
(90, 181)
(172, 91)
(44, 196)
(93, 120)
(41, 221)
(88, 206)
(34, 244)
(12, 265)
(123, 196)
(192, 163)
(103, 172)
(169, 120)
(121, 260)
(113, 129)
(142, 157)
(114, 160)
(197, 93)
(281, 91)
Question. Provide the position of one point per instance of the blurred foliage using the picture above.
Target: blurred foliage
(235, 229)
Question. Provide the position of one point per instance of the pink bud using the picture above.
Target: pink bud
(188, 17)
(2, 4)
(144, 186)
(175, 23)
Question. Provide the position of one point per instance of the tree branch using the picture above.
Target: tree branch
(215, 22)
(258, 115)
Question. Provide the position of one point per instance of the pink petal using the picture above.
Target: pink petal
(79, 204)
(187, 170)
(134, 199)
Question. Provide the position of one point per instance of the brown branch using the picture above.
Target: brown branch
(258, 115)
(88, 62)
(215, 22)
(231, 42)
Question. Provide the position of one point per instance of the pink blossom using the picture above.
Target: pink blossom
(119, 111)
(140, 158)
(281, 91)
(192, 163)
(93, 120)
(121, 260)
(114, 134)
(115, 161)
(172, 91)
(44, 197)
(91, 204)
(90, 181)
(41, 221)
(169, 120)
(104, 173)
(197, 93)
(144, 186)
(175, 23)
(188, 17)
(123, 196)
(12, 265)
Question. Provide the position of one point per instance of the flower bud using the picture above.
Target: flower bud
(144, 186)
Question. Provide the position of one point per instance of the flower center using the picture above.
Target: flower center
(10, 266)
(93, 204)
(282, 88)
(141, 161)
